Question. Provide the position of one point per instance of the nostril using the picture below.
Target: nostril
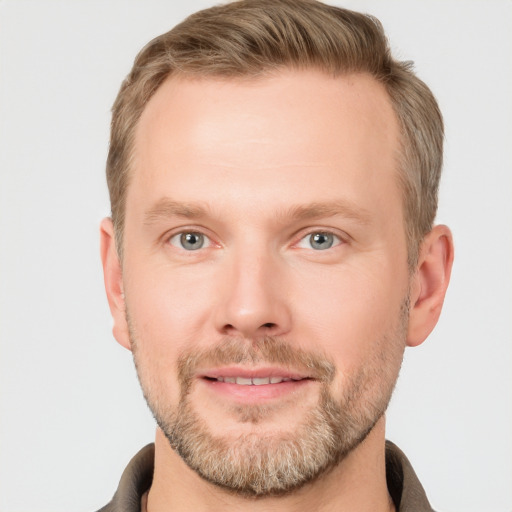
(250, 330)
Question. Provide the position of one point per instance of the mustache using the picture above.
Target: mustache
(269, 349)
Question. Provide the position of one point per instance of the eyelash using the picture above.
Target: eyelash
(179, 241)
(179, 236)
(336, 239)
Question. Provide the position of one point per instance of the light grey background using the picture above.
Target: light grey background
(71, 413)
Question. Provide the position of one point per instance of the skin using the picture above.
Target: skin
(234, 160)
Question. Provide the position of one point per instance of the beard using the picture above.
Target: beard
(257, 464)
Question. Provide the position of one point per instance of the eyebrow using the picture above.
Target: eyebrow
(166, 208)
(329, 209)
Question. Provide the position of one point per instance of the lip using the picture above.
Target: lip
(252, 393)
(252, 373)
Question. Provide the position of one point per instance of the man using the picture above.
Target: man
(273, 177)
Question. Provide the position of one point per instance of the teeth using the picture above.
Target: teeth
(260, 381)
(256, 381)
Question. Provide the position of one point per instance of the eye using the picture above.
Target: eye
(319, 241)
(190, 241)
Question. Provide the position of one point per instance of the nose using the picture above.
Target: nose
(253, 298)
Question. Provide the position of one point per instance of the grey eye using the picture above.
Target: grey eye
(190, 241)
(321, 241)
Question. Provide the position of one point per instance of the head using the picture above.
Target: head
(273, 176)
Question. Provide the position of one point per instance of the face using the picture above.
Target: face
(265, 271)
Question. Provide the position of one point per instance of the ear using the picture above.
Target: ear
(113, 277)
(429, 284)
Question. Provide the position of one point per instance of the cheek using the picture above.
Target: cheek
(170, 309)
(347, 313)
(165, 320)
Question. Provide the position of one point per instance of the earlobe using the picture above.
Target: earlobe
(113, 278)
(429, 284)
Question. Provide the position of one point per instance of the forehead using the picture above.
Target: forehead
(292, 102)
(300, 126)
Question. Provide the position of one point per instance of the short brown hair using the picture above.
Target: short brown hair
(248, 38)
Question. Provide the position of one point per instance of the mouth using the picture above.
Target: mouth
(253, 386)
(252, 381)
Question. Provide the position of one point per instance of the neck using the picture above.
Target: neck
(357, 484)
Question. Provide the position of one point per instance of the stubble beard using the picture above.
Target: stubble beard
(273, 464)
